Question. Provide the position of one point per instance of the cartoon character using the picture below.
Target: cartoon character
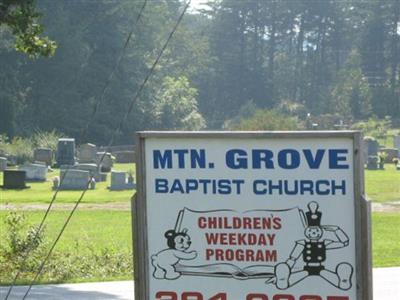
(313, 249)
(164, 261)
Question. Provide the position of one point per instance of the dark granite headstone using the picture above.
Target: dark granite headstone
(14, 179)
(373, 163)
(65, 152)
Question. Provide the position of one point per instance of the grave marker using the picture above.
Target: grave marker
(65, 152)
(119, 182)
(3, 164)
(14, 180)
(74, 179)
(35, 172)
(396, 142)
(107, 162)
(87, 153)
(43, 155)
(94, 171)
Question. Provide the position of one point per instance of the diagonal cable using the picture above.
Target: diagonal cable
(111, 76)
(40, 227)
(134, 99)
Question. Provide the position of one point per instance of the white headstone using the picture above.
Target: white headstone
(94, 171)
(119, 182)
(107, 162)
(71, 179)
(34, 172)
(87, 153)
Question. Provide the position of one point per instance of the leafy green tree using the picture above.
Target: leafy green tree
(176, 106)
(22, 17)
(268, 120)
(352, 95)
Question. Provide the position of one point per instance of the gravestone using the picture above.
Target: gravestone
(14, 179)
(35, 172)
(43, 155)
(94, 171)
(87, 153)
(119, 183)
(371, 146)
(124, 157)
(107, 162)
(390, 154)
(373, 163)
(3, 164)
(74, 179)
(65, 152)
(396, 141)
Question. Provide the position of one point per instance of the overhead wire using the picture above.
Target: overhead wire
(67, 169)
(111, 76)
(117, 130)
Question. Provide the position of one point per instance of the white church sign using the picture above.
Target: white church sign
(251, 216)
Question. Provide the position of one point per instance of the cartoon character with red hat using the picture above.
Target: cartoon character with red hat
(313, 250)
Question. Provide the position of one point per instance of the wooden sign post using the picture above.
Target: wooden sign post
(251, 216)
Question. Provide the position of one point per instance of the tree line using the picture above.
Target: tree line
(301, 58)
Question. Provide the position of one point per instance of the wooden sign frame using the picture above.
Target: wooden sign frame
(363, 268)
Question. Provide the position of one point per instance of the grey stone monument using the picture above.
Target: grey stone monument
(107, 163)
(71, 179)
(87, 153)
(3, 164)
(14, 179)
(43, 155)
(35, 172)
(119, 182)
(371, 146)
(396, 142)
(94, 171)
(65, 152)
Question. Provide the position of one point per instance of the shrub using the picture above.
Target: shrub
(65, 265)
(267, 120)
(43, 139)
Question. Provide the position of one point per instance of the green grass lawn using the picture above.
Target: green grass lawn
(383, 185)
(41, 192)
(386, 239)
(96, 246)
(94, 228)
(93, 231)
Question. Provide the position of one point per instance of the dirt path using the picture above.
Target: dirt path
(386, 206)
(85, 206)
(126, 206)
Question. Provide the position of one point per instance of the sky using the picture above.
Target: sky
(195, 4)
